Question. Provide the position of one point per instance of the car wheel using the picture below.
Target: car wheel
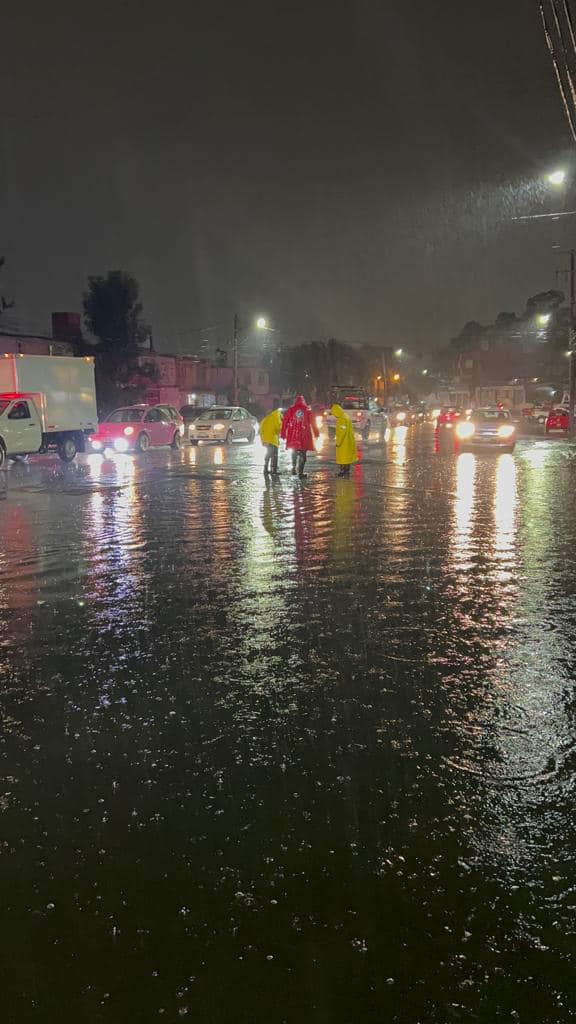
(67, 449)
(2, 455)
(228, 438)
(143, 442)
(251, 437)
(176, 441)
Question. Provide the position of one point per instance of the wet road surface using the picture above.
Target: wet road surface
(297, 752)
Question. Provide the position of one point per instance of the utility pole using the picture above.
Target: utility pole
(235, 358)
(572, 387)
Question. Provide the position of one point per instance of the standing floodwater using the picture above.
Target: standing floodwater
(294, 751)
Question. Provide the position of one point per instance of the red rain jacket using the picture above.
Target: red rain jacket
(298, 427)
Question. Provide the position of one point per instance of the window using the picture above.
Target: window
(20, 411)
(153, 416)
(125, 416)
(237, 415)
(261, 378)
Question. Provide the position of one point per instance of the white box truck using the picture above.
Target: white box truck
(47, 403)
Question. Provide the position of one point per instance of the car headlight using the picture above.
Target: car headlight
(401, 416)
(120, 444)
(96, 444)
(465, 429)
(506, 430)
(218, 426)
(435, 413)
(128, 431)
(192, 426)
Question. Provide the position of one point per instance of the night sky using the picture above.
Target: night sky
(351, 169)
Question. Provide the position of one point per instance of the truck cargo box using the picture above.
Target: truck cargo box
(63, 385)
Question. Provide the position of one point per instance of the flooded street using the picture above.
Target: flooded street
(289, 751)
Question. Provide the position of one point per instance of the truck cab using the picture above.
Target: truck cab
(20, 426)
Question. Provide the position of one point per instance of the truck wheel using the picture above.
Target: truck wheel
(175, 441)
(67, 449)
(143, 443)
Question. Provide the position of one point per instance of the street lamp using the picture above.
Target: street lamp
(262, 325)
(543, 319)
(398, 352)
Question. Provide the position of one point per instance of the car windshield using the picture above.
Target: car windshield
(125, 416)
(492, 414)
(353, 403)
(216, 414)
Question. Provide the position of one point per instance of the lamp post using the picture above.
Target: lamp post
(262, 325)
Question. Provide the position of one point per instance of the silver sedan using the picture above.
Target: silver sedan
(224, 424)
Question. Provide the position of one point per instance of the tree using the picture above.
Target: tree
(113, 313)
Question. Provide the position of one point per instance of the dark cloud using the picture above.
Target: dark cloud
(351, 168)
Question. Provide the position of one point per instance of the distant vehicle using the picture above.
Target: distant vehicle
(447, 415)
(536, 413)
(489, 427)
(224, 424)
(558, 419)
(401, 416)
(47, 403)
(139, 427)
(365, 413)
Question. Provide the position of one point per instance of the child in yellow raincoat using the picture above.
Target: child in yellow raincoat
(270, 436)
(346, 451)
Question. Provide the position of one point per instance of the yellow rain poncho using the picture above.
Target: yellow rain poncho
(270, 428)
(346, 451)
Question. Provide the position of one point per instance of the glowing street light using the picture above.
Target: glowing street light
(398, 352)
(543, 319)
(424, 372)
(557, 177)
(396, 378)
(262, 323)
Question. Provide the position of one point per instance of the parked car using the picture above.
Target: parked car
(224, 424)
(489, 427)
(558, 419)
(138, 428)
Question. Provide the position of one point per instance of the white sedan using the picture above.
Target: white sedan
(224, 424)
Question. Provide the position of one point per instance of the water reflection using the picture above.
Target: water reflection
(463, 508)
(505, 501)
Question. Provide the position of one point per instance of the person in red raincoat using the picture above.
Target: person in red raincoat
(299, 431)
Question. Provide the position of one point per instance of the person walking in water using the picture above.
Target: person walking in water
(299, 431)
(270, 437)
(346, 451)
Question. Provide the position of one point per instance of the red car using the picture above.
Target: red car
(138, 428)
(448, 416)
(557, 419)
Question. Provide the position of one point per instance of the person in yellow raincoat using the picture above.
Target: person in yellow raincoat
(270, 437)
(346, 451)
